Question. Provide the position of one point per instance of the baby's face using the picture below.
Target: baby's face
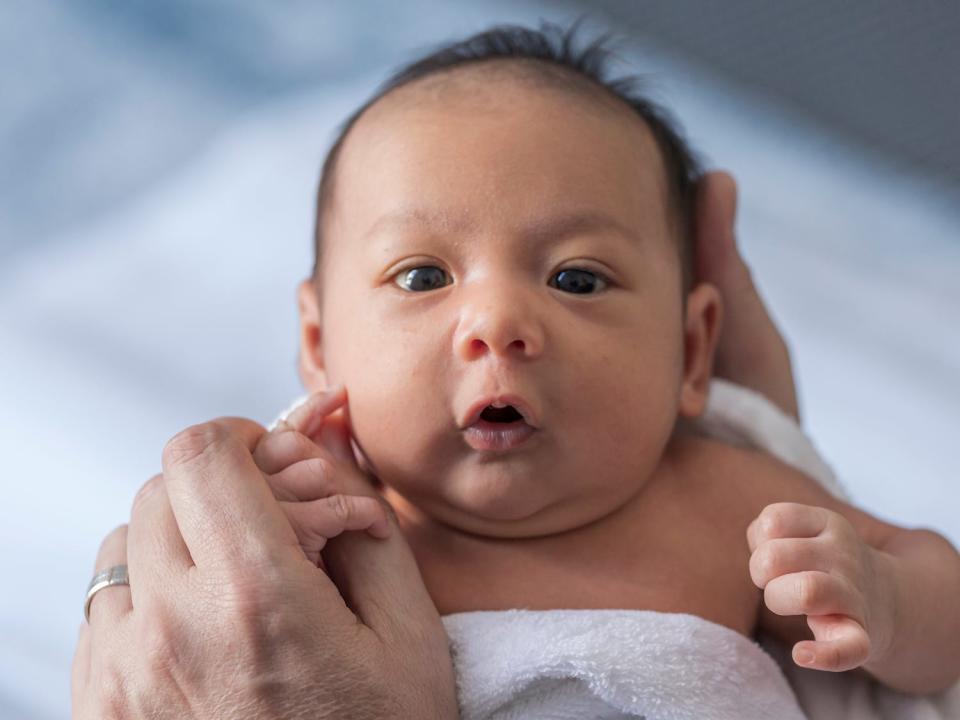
(480, 190)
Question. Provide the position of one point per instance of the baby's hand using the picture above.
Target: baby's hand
(305, 476)
(811, 561)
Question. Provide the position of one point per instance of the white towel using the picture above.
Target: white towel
(607, 664)
(528, 664)
(668, 666)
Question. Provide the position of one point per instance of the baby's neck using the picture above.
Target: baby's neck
(428, 533)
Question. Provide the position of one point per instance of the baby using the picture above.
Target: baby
(503, 286)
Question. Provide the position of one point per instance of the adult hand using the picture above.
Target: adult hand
(751, 351)
(225, 617)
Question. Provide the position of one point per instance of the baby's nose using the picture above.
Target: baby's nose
(503, 325)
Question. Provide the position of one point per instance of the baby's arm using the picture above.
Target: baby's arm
(876, 595)
(924, 656)
(921, 567)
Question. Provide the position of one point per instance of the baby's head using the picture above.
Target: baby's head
(500, 220)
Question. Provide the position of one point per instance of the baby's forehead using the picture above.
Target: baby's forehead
(479, 97)
(487, 87)
(492, 120)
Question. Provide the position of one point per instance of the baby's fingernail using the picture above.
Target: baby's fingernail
(804, 657)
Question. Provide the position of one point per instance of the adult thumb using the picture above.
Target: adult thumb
(715, 237)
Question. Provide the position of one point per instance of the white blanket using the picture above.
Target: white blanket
(667, 666)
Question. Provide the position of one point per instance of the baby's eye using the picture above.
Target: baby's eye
(578, 281)
(425, 277)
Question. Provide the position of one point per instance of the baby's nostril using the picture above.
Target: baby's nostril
(505, 414)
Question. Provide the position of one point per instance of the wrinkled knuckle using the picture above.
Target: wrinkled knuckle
(118, 533)
(192, 443)
(322, 466)
(766, 562)
(809, 591)
(850, 565)
(157, 641)
(251, 619)
(246, 594)
(341, 507)
(774, 518)
(116, 536)
(306, 447)
(111, 692)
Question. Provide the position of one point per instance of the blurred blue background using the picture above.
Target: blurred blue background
(157, 167)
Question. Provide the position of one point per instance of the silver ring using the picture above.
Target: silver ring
(116, 575)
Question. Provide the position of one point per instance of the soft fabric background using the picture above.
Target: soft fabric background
(159, 163)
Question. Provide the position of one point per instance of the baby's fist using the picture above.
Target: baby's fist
(310, 468)
(811, 561)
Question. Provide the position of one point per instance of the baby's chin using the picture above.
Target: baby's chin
(506, 520)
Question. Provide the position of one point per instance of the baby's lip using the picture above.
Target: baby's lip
(520, 405)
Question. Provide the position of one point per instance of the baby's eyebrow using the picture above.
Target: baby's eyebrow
(548, 228)
(418, 217)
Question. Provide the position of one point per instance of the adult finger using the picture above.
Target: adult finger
(716, 210)
(751, 350)
(111, 603)
(224, 508)
(80, 669)
(156, 551)
(842, 644)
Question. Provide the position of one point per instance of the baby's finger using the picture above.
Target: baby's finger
(307, 417)
(783, 556)
(786, 519)
(306, 480)
(842, 644)
(317, 521)
(334, 435)
(279, 449)
(813, 592)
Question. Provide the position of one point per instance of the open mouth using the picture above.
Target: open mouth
(498, 429)
(506, 414)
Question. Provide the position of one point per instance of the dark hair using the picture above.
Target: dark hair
(582, 71)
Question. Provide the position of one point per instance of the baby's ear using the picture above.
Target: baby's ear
(701, 332)
(312, 371)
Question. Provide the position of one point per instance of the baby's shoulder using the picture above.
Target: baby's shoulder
(719, 479)
(751, 480)
(755, 479)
